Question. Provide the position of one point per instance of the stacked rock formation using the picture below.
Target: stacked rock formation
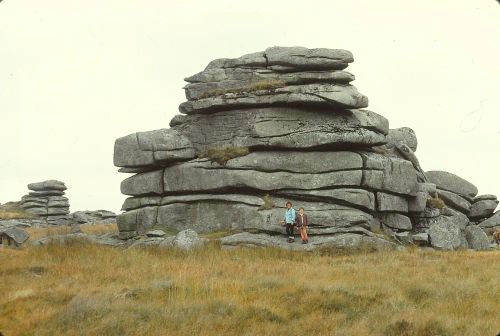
(300, 133)
(47, 201)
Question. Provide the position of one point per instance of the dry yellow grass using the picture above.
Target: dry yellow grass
(37, 233)
(13, 211)
(83, 289)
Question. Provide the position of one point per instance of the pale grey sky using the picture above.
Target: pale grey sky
(76, 75)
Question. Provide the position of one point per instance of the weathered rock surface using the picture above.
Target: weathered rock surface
(484, 198)
(187, 240)
(315, 95)
(46, 200)
(47, 185)
(395, 221)
(15, 236)
(476, 238)
(455, 201)
(482, 209)
(444, 234)
(219, 213)
(284, 127)
(493, 221)
(295, 120)
(402, 134)
(152, 148)
(94, 217)
(451, 182)
(380, 173)
(278, 76)
(347, 240)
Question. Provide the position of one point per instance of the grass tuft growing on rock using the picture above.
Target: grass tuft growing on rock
(268, 203)
(223, 154)
(271, 84)
(435, 202)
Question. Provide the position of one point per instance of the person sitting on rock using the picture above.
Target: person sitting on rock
(289, 221)
(302, 223)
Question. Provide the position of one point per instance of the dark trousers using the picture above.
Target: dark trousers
(289, 230)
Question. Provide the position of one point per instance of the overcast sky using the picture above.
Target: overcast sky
(76, 75)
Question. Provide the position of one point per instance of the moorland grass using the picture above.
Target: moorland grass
(85, 289)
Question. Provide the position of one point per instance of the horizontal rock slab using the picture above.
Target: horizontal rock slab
(482, 209)
(288, 59)
(58, 204)
(349, 196)
(283, 127)
(152, 148)
(451, 182)
(220, 214)
(221, 76)
(455, 201)
(484, 198)
(342, 241)
(395, 221)
(315, 95)
(201, 175)
(57, 211)
(391, 203)
(47, 185)
(217, 81)
(298, 161)
(298, 58)
(46, 193)
(402, 134)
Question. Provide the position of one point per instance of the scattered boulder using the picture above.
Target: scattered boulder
(187, 240)
(75, 228)
(13, 237)
(444, 234)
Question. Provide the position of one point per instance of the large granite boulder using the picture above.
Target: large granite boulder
(451, 182)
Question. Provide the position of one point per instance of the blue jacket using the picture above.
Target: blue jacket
(290, 216)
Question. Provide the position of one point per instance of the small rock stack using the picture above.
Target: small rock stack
(300, 133)
(47, 201)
